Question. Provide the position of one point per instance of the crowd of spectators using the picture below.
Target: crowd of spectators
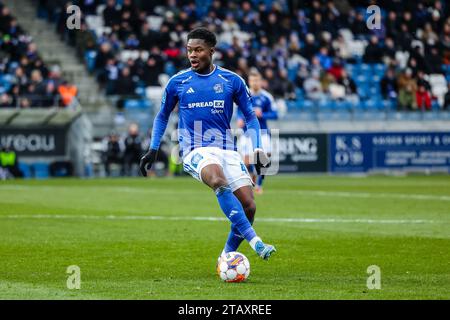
(298, 45)
(25, 80)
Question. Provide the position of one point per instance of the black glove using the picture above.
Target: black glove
(147, 161)
(261, 160)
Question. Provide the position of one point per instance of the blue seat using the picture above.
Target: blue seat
(374, 104)
(307, 105)
(351, 70)
(169, 68)
(299, 93)
(291, 105)
(140, 91)
(292, 73)
(343, 105)
(365, 69)
(41, 170)
(374, 89)
(378, 68)
(389, 104)
(137, 104)
(435, 105)
(327, 105)
(363, 89)
(131, 104)
(26, 170)
(375, 79)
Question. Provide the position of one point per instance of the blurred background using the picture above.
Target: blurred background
(351, 98)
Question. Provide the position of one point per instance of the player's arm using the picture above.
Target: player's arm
(243, 99)
(168, 103)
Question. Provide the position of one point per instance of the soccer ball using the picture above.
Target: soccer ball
(233, 267)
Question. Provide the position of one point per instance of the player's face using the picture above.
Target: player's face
(199, 55)
(254, 82)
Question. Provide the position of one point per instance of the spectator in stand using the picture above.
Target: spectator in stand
(133, 149)
(359, 27)
(104, 54)
(301, 76)
(324, 58)
(434, 61)
(389, 51)
(125, 83)
(313, 87)
(373, 52)
(422, 80)
(112, 153)
(407, 91)
(336, 69)
(111, 14)
(84, 40)
(151, 71)
(282, 87)
(389, 86)
(110, 74)
(392, 25)
(404, 38)
(6, 101)
(310, 47)
(341, 48)
(423, 98)
(125, 87)
(20, 78)
(49, 99)
(446, 105)
(68, 93)
(148, 37)
(351, 93)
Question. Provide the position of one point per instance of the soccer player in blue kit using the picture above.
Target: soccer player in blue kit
(205, 94)
(265, 109)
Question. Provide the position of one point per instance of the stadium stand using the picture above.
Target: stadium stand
(299, 46)
(25, 80)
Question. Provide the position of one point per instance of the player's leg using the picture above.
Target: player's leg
(245, 197)
(213, 176)
(241, 184)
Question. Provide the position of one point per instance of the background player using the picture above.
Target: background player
(265, 109)
(205, 94)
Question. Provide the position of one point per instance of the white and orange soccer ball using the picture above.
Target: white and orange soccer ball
(233, 267)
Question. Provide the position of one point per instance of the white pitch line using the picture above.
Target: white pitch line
(343, 194)
(178, 218)
(413, 196)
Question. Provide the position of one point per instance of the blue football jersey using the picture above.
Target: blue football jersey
(205, 106)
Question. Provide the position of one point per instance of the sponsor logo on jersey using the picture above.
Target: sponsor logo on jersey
(190, 90)
(218, 104)
(218, 87)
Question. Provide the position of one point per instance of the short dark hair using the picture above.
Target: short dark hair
(204, 34)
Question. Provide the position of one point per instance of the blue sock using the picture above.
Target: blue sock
(251, 168)
(232, 208)
(234, 239)
(260, 180)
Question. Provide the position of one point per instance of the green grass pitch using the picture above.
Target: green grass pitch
(153, 239)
